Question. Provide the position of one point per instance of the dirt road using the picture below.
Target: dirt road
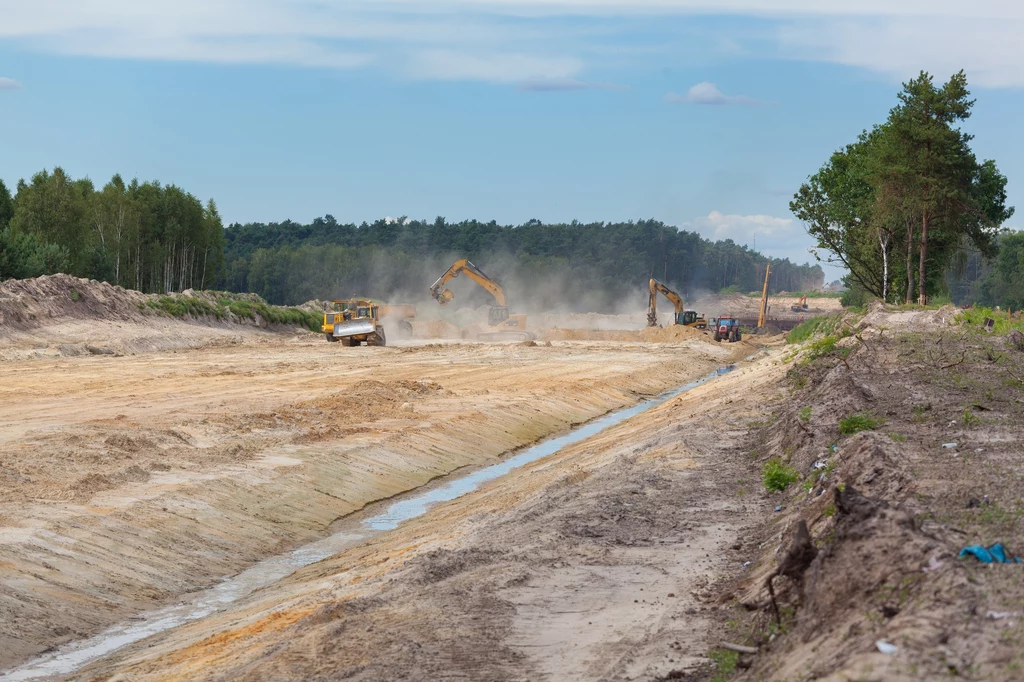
(126, 482)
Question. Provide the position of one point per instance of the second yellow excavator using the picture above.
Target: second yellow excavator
(687, 318)
(501, 324)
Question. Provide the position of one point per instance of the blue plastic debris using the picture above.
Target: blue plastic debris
(995, 554)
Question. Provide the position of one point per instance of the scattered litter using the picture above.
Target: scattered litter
(994, 554)
(933, 565)
(999, 615)
(833, 448)
(746, 564)
(886, 648)
(779, 508)
(949, 445)
(820, 464)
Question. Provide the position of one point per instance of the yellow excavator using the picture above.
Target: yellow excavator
(800, 306)
(687, 318)
(501, 324)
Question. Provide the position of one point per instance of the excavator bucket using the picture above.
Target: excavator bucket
(445, 297)
(352, 328)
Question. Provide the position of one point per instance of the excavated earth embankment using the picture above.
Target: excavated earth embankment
(126, 482)
(60, 315)
(903, 430)
(592, 563)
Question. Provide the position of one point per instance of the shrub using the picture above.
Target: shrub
(858, 422)
(778, 476)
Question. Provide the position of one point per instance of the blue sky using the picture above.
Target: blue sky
(707, 115)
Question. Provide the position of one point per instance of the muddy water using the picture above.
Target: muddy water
(69, 658)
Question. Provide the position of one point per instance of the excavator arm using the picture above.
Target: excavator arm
(463, 266)
(652, 306)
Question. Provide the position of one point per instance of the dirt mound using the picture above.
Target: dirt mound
(435, 329)
(671, 334)
(558, 334)
(881, 317)
(340, 414)
(29, 303)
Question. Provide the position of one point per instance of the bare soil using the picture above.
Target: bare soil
(130, 479)
(594, 563)
(889, 508)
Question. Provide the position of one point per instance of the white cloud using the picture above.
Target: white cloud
(708, 94)
(514, 41)
(9, 84)
(775, 237)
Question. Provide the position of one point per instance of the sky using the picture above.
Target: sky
(706, 114)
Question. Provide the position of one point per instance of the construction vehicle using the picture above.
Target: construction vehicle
(762, 316)
(354, 321)
(501, 324)
(800, 306)
(727, 328)
(687, 318)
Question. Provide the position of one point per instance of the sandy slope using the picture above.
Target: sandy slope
(586, 565)
(127, 481)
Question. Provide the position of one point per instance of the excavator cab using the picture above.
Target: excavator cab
(497, 316)
(690, 318)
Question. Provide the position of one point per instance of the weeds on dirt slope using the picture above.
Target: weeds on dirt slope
(887, 513)
(221, 305)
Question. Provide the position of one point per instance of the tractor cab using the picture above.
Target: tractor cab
(727, 328)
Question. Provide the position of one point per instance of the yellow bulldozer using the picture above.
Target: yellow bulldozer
(353, 322)
(686, 318)
(501, 324)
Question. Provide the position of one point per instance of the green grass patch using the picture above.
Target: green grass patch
(778, 476)
(898, 437)
(858, 422)
(1003, 323)
(725, 664)
(243, 308)
(825, 324)
(805, 414)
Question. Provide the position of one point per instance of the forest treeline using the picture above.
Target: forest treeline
(159, 238)
(571, 266)
(144, 236)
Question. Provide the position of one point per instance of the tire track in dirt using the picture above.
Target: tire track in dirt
(132, 480)
(589, 564)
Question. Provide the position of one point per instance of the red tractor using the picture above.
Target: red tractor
(727, 328)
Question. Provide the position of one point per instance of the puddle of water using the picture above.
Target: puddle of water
(76, 654)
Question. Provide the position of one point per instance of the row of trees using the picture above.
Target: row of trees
(997, 281)
(572, 266)
(143, 236)
(910, 190)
